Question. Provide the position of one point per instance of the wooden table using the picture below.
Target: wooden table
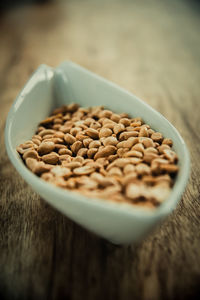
(151, 48)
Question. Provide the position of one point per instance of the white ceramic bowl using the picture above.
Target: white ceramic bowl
(49, 88)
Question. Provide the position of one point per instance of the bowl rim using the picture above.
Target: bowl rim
(128, 209)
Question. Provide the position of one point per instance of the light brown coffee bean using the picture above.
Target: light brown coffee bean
(30, 154)
(170, 155)
(168, 142)
(46, 147)
(51, 158)
(105, 132)
(143, 132)
(95, 144)
(83, 170)
(106, 151)
(133, 153)
(91, 152)
(143, 169)
(63, 151)
(127, 134)
(76, 146)
(93, 133)
(82, 152)
(69, 138)
(129, 168)
(118, 128)
(157, 137)
(111, 140)
(45, 132)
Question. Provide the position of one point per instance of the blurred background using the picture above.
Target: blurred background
(144, 46)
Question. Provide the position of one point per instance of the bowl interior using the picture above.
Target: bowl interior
(49, 88)
(75, 84)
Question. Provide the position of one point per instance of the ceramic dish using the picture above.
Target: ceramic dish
(49, 88)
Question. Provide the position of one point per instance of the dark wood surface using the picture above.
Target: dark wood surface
(151, 48)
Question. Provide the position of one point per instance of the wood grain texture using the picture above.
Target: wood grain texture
(152, 48)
